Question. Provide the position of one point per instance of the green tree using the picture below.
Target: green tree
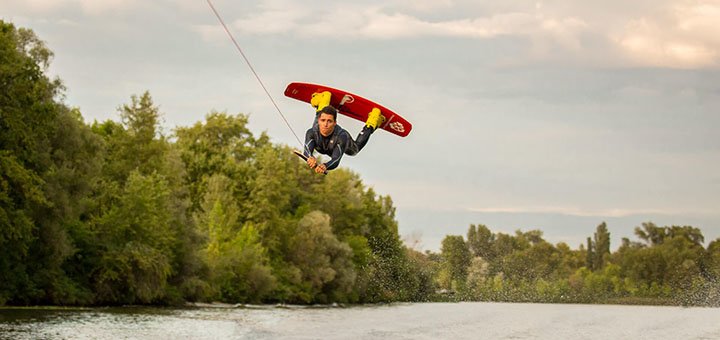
(341, 195)
(504, 245)
(480, 240)
(241, 271)
(419, 284)
(712, 261)
(590, 254)
(671, 256)
(600, 247)
(650, 233)
(138, 146)
(456, 257)
(47, 167)
(138, 143)
(324, 261)
(136, 239)
(63, 229)
(237, 262)
(20, 191)
(540, 261)
(222, 145)
(219, 218)
(570, 260)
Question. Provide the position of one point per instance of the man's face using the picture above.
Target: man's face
(326, 123)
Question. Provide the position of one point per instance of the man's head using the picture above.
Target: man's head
(327, 120)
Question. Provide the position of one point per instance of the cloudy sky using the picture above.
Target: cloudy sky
(553, 115)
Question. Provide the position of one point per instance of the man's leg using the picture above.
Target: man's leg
(362, 138)
(374, 120)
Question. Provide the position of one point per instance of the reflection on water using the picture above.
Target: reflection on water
(396, 321)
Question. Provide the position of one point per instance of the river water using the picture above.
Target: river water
(472, 320)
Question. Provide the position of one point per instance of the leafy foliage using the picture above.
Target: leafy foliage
(669, 267)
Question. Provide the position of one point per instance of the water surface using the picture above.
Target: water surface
(472, 320)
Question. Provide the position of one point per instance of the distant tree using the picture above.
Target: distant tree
(712, 259)
(480, 240)
(570, 260)
(540, 261)
(650, 233)
(670, 257)
(456, 257)
(534, 237)
(477, 275)
(601, 247)
(690, 233)
(420, 285)
(504, 245)
(590, 255)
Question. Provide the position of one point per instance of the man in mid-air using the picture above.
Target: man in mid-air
(328, 138)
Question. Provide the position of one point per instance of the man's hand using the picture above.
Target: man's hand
(320, 168)
(312, 162)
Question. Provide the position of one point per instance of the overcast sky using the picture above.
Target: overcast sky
(553, 115)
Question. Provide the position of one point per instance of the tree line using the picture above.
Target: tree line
(117, 212)
(667, 265)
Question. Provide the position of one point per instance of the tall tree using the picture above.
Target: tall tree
(650, 233)
(590, 255)
(456, 257)
(47, 159)
(601, 246)
(139, 143)
(480, 240)
(224, 145)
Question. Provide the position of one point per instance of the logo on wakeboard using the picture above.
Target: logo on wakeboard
(397, 126)
(347, 99)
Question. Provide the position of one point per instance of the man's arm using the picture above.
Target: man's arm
(309, 148)
(309, 143)
(338, 151)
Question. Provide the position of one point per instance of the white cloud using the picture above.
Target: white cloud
(272, 21)
(426, 5)
(99, 7)
(374, 23)
(686, 36)
(673, 33)
(90, 7)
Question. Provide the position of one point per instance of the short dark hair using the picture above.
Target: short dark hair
(329, 110)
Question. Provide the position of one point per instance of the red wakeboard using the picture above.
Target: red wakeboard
(351, 105)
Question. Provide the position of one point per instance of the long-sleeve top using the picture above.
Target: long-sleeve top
(334, 145)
